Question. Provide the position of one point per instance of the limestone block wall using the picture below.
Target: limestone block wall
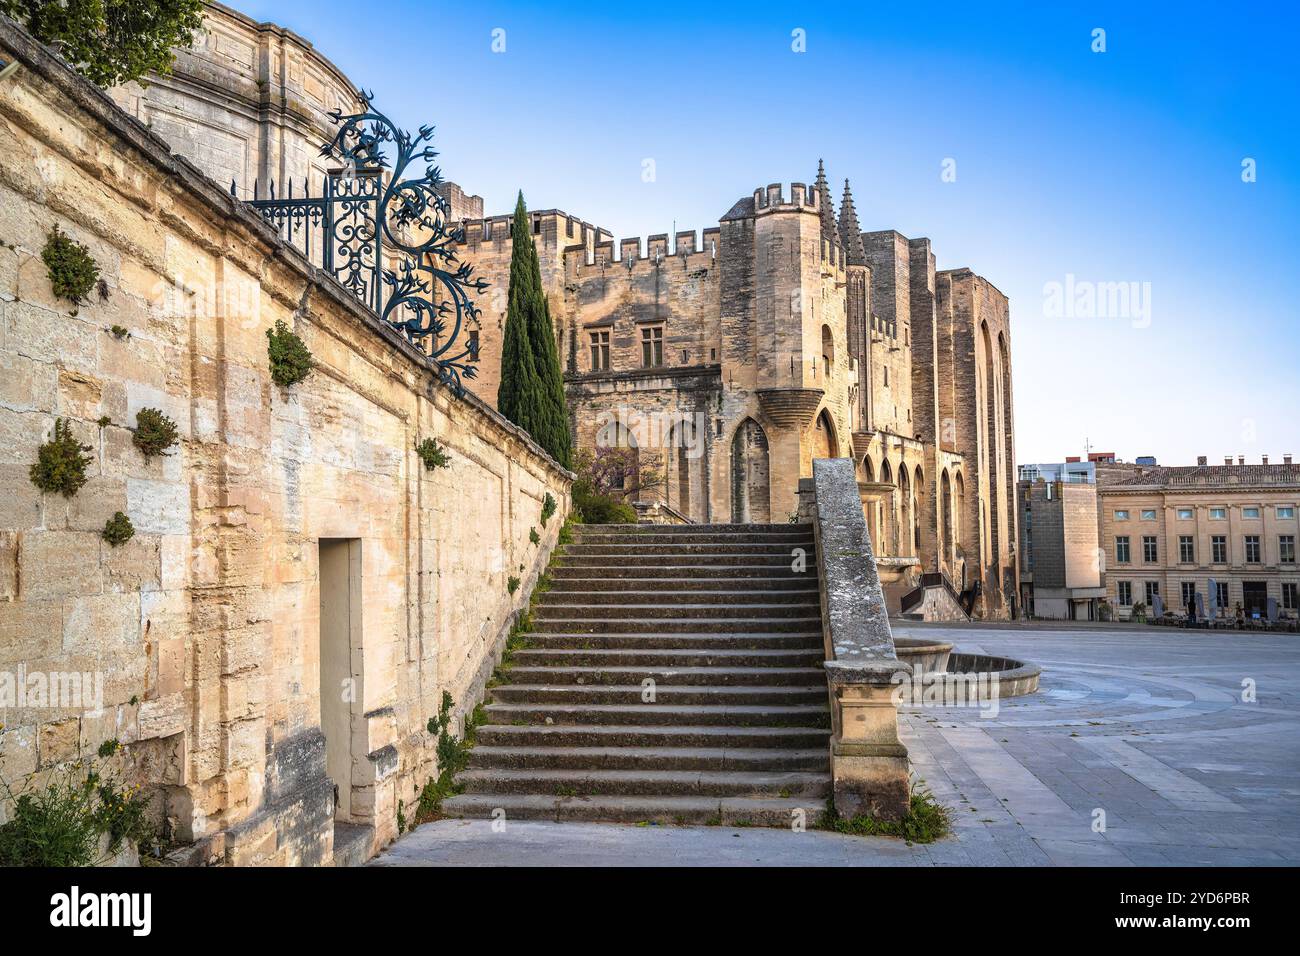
(205, 628)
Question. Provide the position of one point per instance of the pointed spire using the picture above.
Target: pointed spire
(850, 231)
(829, 230)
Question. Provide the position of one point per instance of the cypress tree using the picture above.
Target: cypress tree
(546, 362)
(516, 394)
(531, 393)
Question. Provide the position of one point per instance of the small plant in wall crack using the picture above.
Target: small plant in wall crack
(154, 432)
(533, 536)
(61, 462)
(72, 271)
(512, 585)
(290, 358)
(548, 508)
(453, 757)
(432, 454)
(118, 530)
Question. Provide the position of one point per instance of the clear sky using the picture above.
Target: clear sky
(1080, 168)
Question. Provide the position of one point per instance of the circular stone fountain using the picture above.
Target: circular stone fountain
(940, 676)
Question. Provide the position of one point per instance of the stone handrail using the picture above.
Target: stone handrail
(868, 762)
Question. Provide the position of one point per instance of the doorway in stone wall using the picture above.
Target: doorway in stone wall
(340, 657)
(750, 489)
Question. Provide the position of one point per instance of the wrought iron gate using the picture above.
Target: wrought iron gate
(385, 235)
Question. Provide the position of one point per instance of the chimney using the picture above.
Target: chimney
(1263, 460)
(1241, 459)
(1200, 460)
(1227, 459)
(1286, 459)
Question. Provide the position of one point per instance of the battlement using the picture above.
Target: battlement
(653, 250)
(772, 198)
(555, 226)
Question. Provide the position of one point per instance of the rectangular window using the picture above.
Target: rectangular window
(1250, 512)
(1152, 589)
(1283, 512)
(1221, 589)
(1289, 597)
(1252, 549)
(1121, 515)
(1149, 548)
(1124, 593)
(1189, 592)
(1186, 514)
(1186, 549)
(600, 351)
(1219, 549)
(1148, 514)
(652, 347)
(1121, 550)
(1218, 514)
(1286, 548)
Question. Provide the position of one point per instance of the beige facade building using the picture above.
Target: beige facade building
(1172, 531)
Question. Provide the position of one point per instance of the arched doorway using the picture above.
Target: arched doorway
(945, 518)
(619, 458)
(824, 443)
(677, 470)
(907, 518)
(750, 487)
(889, 525)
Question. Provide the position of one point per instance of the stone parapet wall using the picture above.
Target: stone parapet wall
(205, 627)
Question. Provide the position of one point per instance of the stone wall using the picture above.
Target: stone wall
(246, 101)
(206, 626)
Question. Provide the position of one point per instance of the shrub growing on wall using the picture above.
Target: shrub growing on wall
(290, 358)
(61, 462)
(118, 530)
(432, 454)
(72, 271)
(111, 41)
(154, 432)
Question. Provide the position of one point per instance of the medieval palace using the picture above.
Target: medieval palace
(785, 334)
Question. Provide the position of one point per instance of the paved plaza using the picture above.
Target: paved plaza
(1145, 725)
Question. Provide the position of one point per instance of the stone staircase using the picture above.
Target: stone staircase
(715, 623)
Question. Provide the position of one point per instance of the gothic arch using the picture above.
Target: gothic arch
(825, 444)
(750, 479)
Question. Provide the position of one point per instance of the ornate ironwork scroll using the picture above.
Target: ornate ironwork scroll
(384, 232)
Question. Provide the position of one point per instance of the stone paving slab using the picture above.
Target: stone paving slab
(1143, 728)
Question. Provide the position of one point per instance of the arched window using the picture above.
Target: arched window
(828, 348)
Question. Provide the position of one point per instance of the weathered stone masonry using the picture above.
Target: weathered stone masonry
(206, 625)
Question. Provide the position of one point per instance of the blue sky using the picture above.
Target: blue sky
(1116, 167)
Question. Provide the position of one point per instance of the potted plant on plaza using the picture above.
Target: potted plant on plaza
(1139, 613)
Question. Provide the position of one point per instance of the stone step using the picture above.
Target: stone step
(638, 530)
(686, 550)
(672, 574)
(667, 657)
(633, 694)
(673, 676)
(558, 597)
(813, 760)
(704, 715)
(564, 610)
(645, 782)
(767, 738)
(545, 622)
(617, 563)
(676, 641)
(792, 539)
(782, 584)
(662, 810)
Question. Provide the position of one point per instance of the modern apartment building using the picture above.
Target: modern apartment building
(1060, 561)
